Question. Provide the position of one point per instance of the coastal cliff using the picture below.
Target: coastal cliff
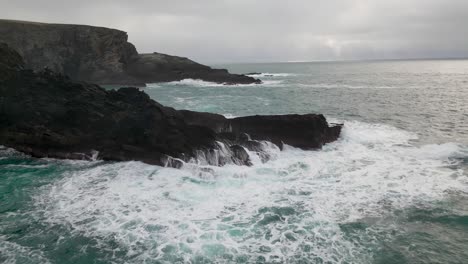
(102, 55)
(46, 114)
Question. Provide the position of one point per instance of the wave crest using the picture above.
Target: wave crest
(298, 200)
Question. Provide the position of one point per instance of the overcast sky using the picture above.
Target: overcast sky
(268, 30)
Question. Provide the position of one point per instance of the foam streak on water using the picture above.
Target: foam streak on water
(296, 207)
(201, 83)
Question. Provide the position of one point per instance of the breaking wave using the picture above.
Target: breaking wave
(293, 208)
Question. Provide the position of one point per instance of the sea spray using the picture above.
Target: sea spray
(299, 206)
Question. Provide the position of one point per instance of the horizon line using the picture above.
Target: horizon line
(342, 60)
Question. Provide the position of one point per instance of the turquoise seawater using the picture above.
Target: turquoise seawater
(392, 189)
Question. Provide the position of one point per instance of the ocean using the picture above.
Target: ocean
(392, 189)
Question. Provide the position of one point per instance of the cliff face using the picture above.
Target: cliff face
(10, 62)
(101, 55)
(85, 53)
(46, 114)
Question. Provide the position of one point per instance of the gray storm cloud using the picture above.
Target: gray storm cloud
(262, 31)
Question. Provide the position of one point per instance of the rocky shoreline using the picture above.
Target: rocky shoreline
(102, 55)
(46, 114)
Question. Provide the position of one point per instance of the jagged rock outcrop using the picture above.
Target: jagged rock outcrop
(310, 131)
(102, 55)
(46, 114)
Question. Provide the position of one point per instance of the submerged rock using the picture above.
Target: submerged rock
(253, 73)
(102, 55)
(46, 114)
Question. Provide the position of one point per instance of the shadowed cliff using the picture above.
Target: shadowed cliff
(102, 55)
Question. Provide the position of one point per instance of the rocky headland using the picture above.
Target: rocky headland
(47, 114)
(102, 55)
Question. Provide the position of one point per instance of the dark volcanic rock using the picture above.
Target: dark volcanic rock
(253, 73)
(45, 114)
(307, 132)
(10, 62)
(101, 55)
(157, 67)
(240, 156)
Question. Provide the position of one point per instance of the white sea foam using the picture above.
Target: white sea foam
(229, 116)
(195, 82)
(201, 83)
(12, 253)
(267, 74)
(285, 209)
(6, 152)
